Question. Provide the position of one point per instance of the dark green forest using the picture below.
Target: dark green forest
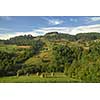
(77, 56)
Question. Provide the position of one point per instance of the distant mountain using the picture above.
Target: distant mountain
(59, 36)
(88, 36)
(80, 36)
(52, 36)
(20, 40)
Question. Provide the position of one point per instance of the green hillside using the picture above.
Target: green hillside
(75, 57)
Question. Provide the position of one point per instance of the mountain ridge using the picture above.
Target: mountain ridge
(52, 36)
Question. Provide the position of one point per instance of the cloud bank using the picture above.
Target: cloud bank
(95, 18)
(70, 30)
(42, 31)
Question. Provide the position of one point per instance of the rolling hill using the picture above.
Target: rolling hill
(77, 56)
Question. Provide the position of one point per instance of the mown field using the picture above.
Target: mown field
(57, 78)
(8, 48)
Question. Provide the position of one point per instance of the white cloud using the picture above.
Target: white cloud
(55, 21)
(53, 29)
(85, 29)
(92, 19)
(70, 30)
(95, 18)
(42, 31)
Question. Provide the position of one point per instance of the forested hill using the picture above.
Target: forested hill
(52, 36)
(79, 36)
(88, 36)
(20, 40)
(77, 56)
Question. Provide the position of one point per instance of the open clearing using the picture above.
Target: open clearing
(58, 78)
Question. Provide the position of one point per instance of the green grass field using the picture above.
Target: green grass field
(8, 48)
(58, 78)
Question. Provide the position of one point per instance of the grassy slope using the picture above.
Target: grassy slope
(8, 48)
(47, 54)
(12, 48)
(43, 55)
(58, 78)
(37, 59)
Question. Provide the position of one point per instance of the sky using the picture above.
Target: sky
(11, 26)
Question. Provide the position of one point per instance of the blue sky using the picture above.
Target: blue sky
(11, 26)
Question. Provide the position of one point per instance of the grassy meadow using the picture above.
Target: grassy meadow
(57, 78)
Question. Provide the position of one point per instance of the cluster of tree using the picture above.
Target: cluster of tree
(80, 36)
(2, 41)
(87, 36)
(21, 40)
(52, 36)
(41, 68)
(10, 63)
(7, 61)
(79, 63)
